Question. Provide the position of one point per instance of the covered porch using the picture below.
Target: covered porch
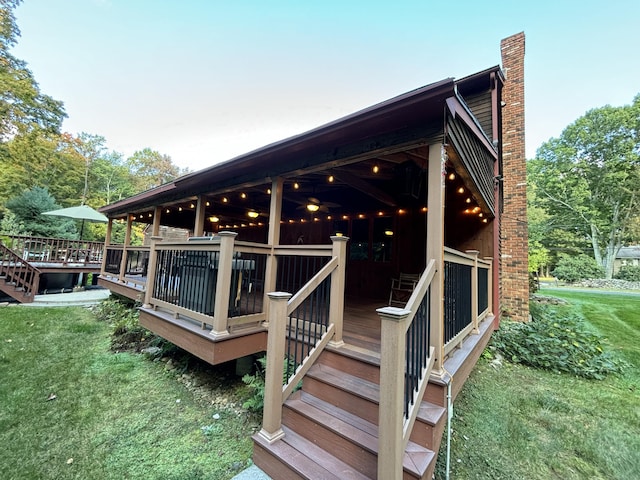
(293, 250)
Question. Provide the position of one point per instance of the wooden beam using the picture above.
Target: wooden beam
(365, 187)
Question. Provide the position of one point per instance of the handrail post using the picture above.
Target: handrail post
(107, 242)
(223, 284)
(489, 286)
(391, 410)
(272, 412)
(474, 290)
(127, 243)
(151, 271)
(336, 297)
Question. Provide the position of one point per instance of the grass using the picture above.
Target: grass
(515, 422)
(72, 409)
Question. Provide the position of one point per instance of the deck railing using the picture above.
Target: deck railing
(19, 274)
(301, 325)
(467, 295)
(54, 250)
(406, 360)
(217, 282)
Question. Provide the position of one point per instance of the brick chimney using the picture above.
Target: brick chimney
(514, 279)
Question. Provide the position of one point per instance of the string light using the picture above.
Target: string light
(461, 190)
(225, 200)
(452, 176)
(243, 195)
(375, 168)
(296, 186)
(331, 178)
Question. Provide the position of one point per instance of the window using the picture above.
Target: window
(382, 239)
(359, 249)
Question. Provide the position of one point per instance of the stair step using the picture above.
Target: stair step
(347, 436)
(350, 393)
(361, 397)
(356, 362)
(305, 460)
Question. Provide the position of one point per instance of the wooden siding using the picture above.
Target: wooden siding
(475, 158)
(480, 106)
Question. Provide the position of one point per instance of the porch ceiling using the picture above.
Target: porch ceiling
(382, 183)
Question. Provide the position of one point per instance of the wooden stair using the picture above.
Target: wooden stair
(331, 425)
(18, 278)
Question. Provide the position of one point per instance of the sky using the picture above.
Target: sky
(204, 81)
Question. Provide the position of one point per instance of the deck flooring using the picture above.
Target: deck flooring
(362, 323)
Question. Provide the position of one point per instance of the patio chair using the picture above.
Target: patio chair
(402, 288)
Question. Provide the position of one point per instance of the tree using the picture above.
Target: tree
(22, 106)
(151, 169)
(41, 159)
(28, 208)
(588, 178)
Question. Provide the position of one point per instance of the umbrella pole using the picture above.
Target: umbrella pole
(81, 229)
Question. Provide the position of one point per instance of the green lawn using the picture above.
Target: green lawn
(114, 415)
(515, 422)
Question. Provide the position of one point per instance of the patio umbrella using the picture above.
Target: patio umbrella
(81, 212)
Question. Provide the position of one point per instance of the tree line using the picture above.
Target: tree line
(45, 168)
(584, 193)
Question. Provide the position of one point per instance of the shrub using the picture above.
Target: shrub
(121, 314)
(575, 268)
(255, 382)
(629, 273)
(558, 342)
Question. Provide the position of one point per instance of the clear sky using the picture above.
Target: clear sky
(205, 80)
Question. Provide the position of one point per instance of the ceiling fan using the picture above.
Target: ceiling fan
(314, 205)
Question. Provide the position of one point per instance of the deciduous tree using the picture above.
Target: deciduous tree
(22, 106)
(588, 179)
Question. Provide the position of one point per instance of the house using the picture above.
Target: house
(294, 251)
(627, 256)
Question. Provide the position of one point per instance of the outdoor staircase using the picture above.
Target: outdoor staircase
(331, 425)
(18, 278)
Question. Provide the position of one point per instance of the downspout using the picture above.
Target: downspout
(449, 420)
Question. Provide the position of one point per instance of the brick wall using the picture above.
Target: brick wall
(514, 279)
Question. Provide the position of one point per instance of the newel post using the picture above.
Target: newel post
(272, 413)
(391, 410)
(151, 272)
(336, 296)
(474, 290)
(490, 286)
(107, 242)
(127, 243)
(223, 284)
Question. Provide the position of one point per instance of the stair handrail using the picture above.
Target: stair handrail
(19, 271)
(280, 309)
(406, 360)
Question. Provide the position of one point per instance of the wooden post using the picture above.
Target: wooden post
(272, 412)
(273, 239)
(127, 243)
(151, 272)
(336, 297)
(490, 286)
(155, 229)
(474, 290)
(223, 284)
(435, 249)
(198, 228)
(107, 242)
(391, 410)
